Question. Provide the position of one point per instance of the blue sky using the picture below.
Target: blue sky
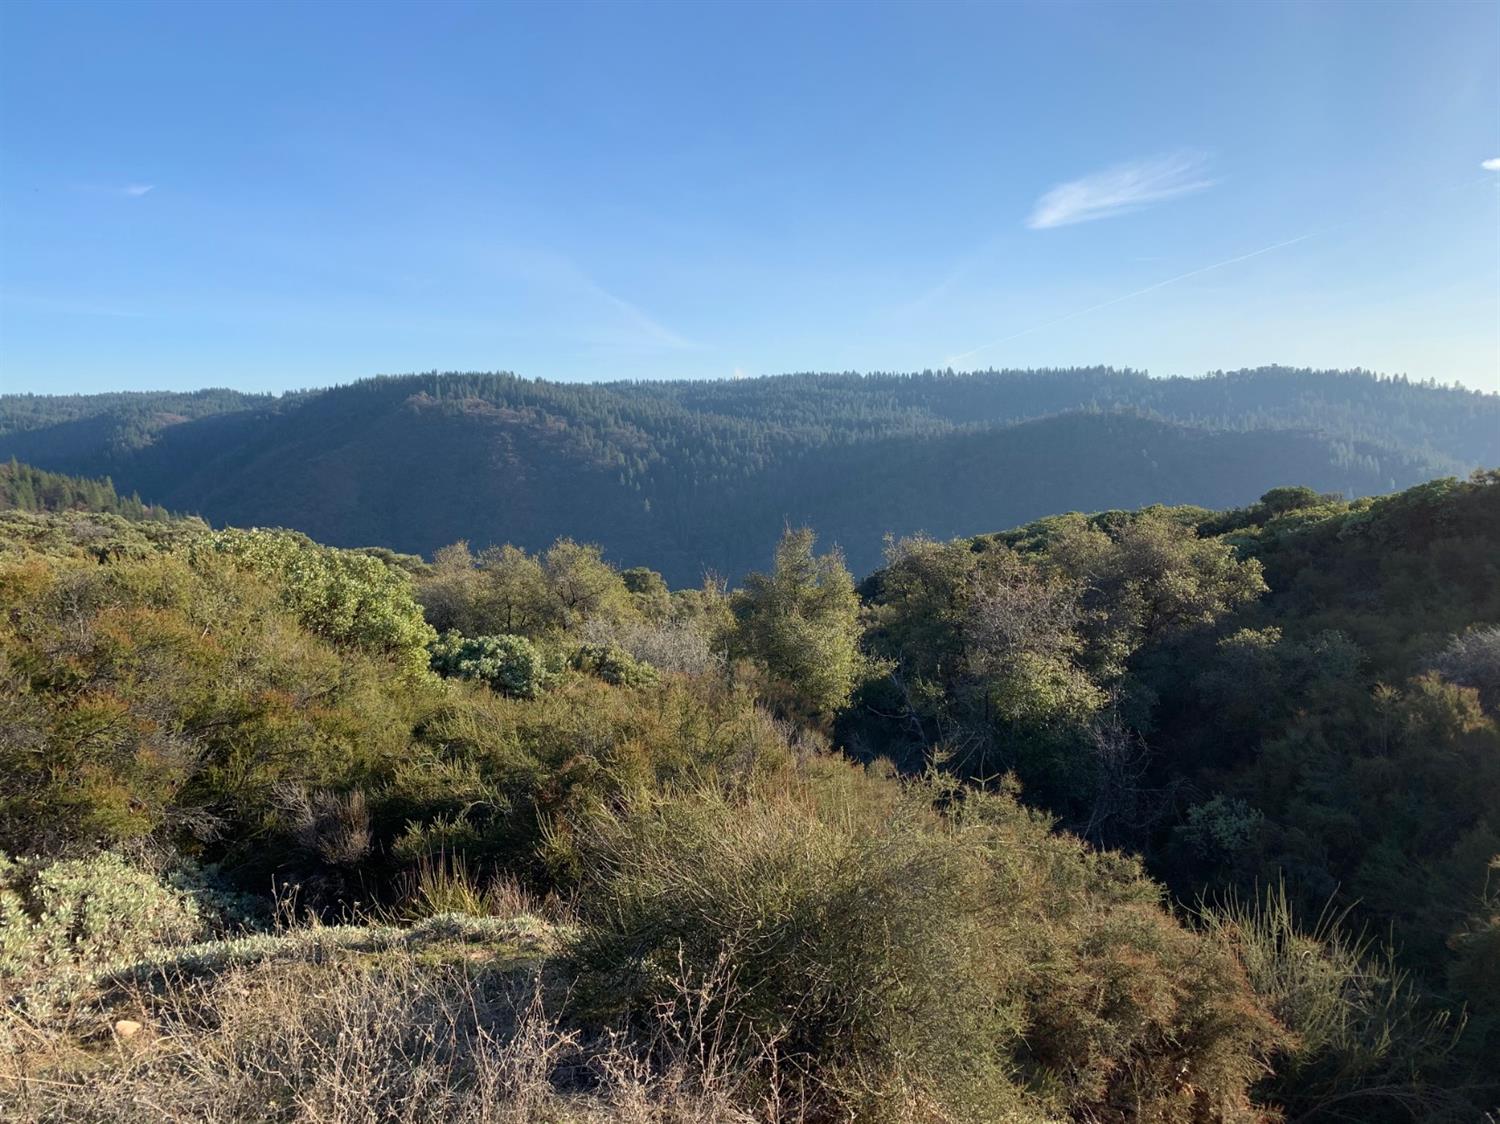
(272, 196)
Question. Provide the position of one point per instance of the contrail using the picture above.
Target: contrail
(956, 359)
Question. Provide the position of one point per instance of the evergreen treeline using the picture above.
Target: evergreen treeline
(113, 424)
(24, 488)
(693, 476)
(1169, 814)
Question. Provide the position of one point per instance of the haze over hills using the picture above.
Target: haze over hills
(701, 475)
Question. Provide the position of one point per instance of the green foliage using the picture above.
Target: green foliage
(613, 665)
(511, 665)
(1296, 690)
(130, 419)
(648, 589)
(1257, 678)
(154, 695)
(61, 919)
(1015, 651)
(1147, 580)
(1278, 501)
(892, 955)
(583, 586)
(1221, 834)
(349, 598)
(801, 623)
(23, 488)
(707, 612)
(97, 537)
(505, 590)
(1390, 804)
(1473, 660)
(492, 776)
(1399, 575)
(1363, 1039)
(983, 635)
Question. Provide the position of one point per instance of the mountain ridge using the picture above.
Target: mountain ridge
(697, 476)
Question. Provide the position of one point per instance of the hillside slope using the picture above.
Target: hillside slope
(700, 475)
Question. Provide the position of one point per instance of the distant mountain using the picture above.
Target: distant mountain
(690, 476)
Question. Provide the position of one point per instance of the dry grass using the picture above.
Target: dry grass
(410, 1032)
(444, 883)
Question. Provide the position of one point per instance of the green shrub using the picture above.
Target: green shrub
(1362, 1035)
(800, 623)
(153, 697)
(347, 597)
(1472, 659)
(1475, 971)
(489, 775)
(511, 665)
(891, 956)
(62, 919)
(613, 665)
(1474, 975)
(1218, 832)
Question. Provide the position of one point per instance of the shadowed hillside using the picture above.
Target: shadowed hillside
(696, 476)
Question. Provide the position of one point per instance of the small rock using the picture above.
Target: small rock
(127, 1028)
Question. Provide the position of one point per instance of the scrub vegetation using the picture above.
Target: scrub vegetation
(1167, 814)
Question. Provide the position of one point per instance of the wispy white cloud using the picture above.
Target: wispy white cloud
(965, 267)
(1125, 187)
(651, 329)
(125, 190)
(1491, 165)
(931, 296)
(561, 275)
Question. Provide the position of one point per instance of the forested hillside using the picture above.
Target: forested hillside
(694, 476)
(30, 489)
(1166, 814)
